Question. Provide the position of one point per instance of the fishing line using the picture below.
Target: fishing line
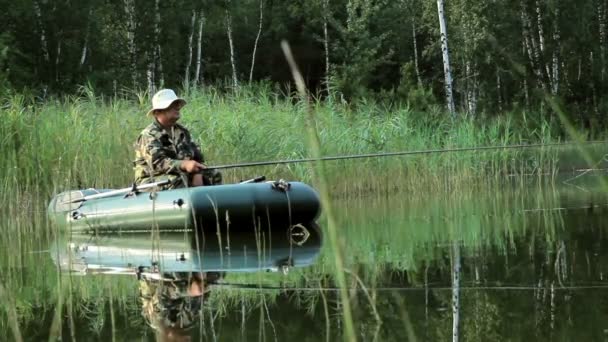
(402, 153)
(407, 289)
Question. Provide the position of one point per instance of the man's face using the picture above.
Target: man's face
(171, 115)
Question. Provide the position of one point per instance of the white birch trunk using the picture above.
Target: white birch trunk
(541, 42)
(85, 46)
(231, 43)
(555, 59)
(150, 76)
(326, 43)
(58, 56)
(418, 77)
(190, 49)
(257, 38)
(455, 292)
(601, 13)
(83, 54)
(446, 58)
(198, 75)
(157, 50)
(498, 90)
(532, 47)
(130, 12)
(43, 38)
(471, 91)
(526, 94)
(539, 25)
(161, 76)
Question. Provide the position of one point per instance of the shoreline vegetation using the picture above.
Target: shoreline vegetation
(86, 141)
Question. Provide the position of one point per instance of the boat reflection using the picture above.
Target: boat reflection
(266, 249)
(176, 271)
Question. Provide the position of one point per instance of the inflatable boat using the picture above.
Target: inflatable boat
(244, 205)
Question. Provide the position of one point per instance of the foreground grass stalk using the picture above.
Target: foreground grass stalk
(325, 198)
(12, 314)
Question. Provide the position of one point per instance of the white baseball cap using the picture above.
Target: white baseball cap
(163, 99)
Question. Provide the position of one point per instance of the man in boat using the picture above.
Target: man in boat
(165, 150)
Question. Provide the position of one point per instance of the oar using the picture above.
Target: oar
(117, 192)
(135, 188)
(400, 153)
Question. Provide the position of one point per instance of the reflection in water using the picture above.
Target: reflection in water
(533, 266)
(176, 272)
(172, 304)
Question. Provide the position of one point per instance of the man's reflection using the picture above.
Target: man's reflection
(172, 303)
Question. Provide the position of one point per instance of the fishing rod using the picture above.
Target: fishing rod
(404, 289)
(400, 153)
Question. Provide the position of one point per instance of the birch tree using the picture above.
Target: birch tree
(190, 48)
(257, 38)
(157, 59)
(85, 45)
(555, 74)
(130, 14)
(326, 16)
(601, 16)
(43, 38)
(198, 75)
(228, 19)
(446, 58)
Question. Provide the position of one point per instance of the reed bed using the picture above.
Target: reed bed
(86, 141)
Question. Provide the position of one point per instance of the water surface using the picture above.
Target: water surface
(529, 255)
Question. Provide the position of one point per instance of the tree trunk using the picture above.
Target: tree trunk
(418, 77)
(455, 291)
(532, 47)
(446, 58)
(158, 65)
(541, 40)
(601, 13)
(43, 38)
(257, 38)
(326, 43)
(190, 48)
(198, 75)
(539, 25)
(150, 76)
(471, 88)
(58, 56)
(130, 12)
(499, 90)
(85, 46)
(235, 83)
(555, 58)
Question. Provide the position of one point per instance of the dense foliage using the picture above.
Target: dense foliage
(505, 55)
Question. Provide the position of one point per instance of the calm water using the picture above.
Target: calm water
(532, 256)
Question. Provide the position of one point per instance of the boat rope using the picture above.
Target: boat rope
(403, 153)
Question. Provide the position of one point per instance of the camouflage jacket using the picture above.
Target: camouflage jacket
(160, 151)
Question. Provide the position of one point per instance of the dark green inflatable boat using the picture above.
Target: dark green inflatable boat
(233, 206)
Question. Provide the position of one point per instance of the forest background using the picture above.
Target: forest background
(506, 57)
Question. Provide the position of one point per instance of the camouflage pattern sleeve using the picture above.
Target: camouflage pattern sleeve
(193, 146)
(198, 155)
(156, 155)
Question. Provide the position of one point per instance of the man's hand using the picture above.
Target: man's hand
(192, 166)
